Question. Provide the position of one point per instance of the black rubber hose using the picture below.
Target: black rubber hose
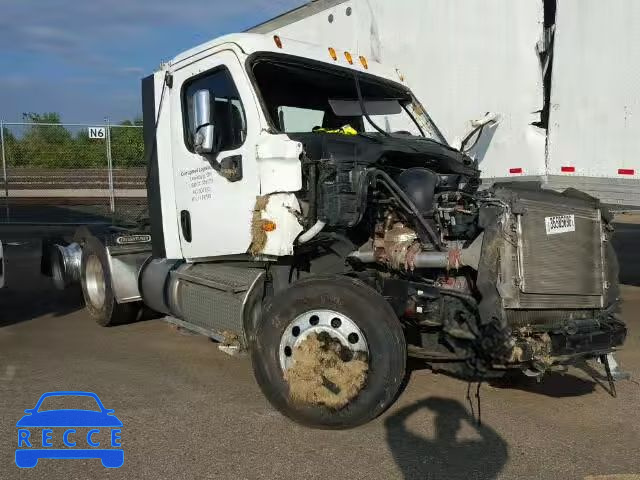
(363, 108)
(397, 192)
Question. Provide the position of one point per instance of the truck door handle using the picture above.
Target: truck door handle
(185, 224)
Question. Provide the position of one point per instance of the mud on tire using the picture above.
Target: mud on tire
(375, 319)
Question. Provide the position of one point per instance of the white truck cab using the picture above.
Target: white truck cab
(200, 195)
(303, 206)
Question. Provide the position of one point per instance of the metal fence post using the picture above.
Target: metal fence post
(4, 170)
(112, 199)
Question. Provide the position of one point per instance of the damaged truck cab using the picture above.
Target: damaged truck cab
(303, 206)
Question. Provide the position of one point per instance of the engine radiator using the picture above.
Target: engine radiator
(563, 263)
(552, 254)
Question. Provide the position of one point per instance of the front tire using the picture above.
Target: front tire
(97, 291)
(368, 312)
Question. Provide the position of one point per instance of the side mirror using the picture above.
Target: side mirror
(203, 127)
(471, 137)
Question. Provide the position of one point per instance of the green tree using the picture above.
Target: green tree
(45, 143)
(11, 143)
(127, 144)
(89, 152)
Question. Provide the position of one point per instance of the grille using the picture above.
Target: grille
(210, 308)
(212, 297)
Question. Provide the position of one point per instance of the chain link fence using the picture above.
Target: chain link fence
(56, 173)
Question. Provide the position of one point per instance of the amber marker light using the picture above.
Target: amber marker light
(349, 58)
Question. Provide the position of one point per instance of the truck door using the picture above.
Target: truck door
(215, 193)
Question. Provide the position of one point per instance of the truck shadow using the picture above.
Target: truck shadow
(625, 241)
(553, 384)
(22, 306)
(557, 385)
(28, 294)
(445, 456)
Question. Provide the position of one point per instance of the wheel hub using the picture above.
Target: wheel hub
(95, 282)
(337, 326)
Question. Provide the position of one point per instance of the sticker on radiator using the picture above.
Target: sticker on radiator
(560, 224)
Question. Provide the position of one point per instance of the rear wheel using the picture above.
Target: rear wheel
(329, 352)
(97, 291)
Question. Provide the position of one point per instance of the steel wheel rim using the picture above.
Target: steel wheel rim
(95, 283)
(339, 326)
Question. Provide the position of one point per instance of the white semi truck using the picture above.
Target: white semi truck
(303, 206)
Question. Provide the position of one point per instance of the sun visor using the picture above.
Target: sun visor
(351, 108)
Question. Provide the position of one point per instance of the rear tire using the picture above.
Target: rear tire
(97, 291)
(372, 315)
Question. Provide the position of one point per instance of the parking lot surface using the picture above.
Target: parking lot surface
(189, 411)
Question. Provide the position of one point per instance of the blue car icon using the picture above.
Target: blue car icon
(29, 452)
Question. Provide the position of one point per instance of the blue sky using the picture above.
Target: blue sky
(84, 59)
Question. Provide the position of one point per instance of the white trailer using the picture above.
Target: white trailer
(564, 75)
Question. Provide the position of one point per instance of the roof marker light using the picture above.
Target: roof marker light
(626, 171)
(349, 58)
(515, 170)
(568, 169)
(333, 53)
(276, 39)
(364, 63)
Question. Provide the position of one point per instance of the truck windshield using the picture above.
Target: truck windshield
(304, 96)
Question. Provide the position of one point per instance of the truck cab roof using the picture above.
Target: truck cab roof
(250, 43)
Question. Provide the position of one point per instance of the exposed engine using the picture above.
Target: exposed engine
(514, 276)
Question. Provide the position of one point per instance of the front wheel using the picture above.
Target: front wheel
(329, 352)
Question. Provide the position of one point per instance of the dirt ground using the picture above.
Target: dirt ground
(190, 412)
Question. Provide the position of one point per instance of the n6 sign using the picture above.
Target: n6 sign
(99, 133)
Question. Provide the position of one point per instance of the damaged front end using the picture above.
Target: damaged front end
(540, 292)
(481, 281)
(548, 277)
(515, 277)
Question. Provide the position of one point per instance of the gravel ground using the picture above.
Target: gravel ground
(189, 411)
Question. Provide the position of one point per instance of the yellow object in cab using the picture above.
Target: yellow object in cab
(344, 130)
